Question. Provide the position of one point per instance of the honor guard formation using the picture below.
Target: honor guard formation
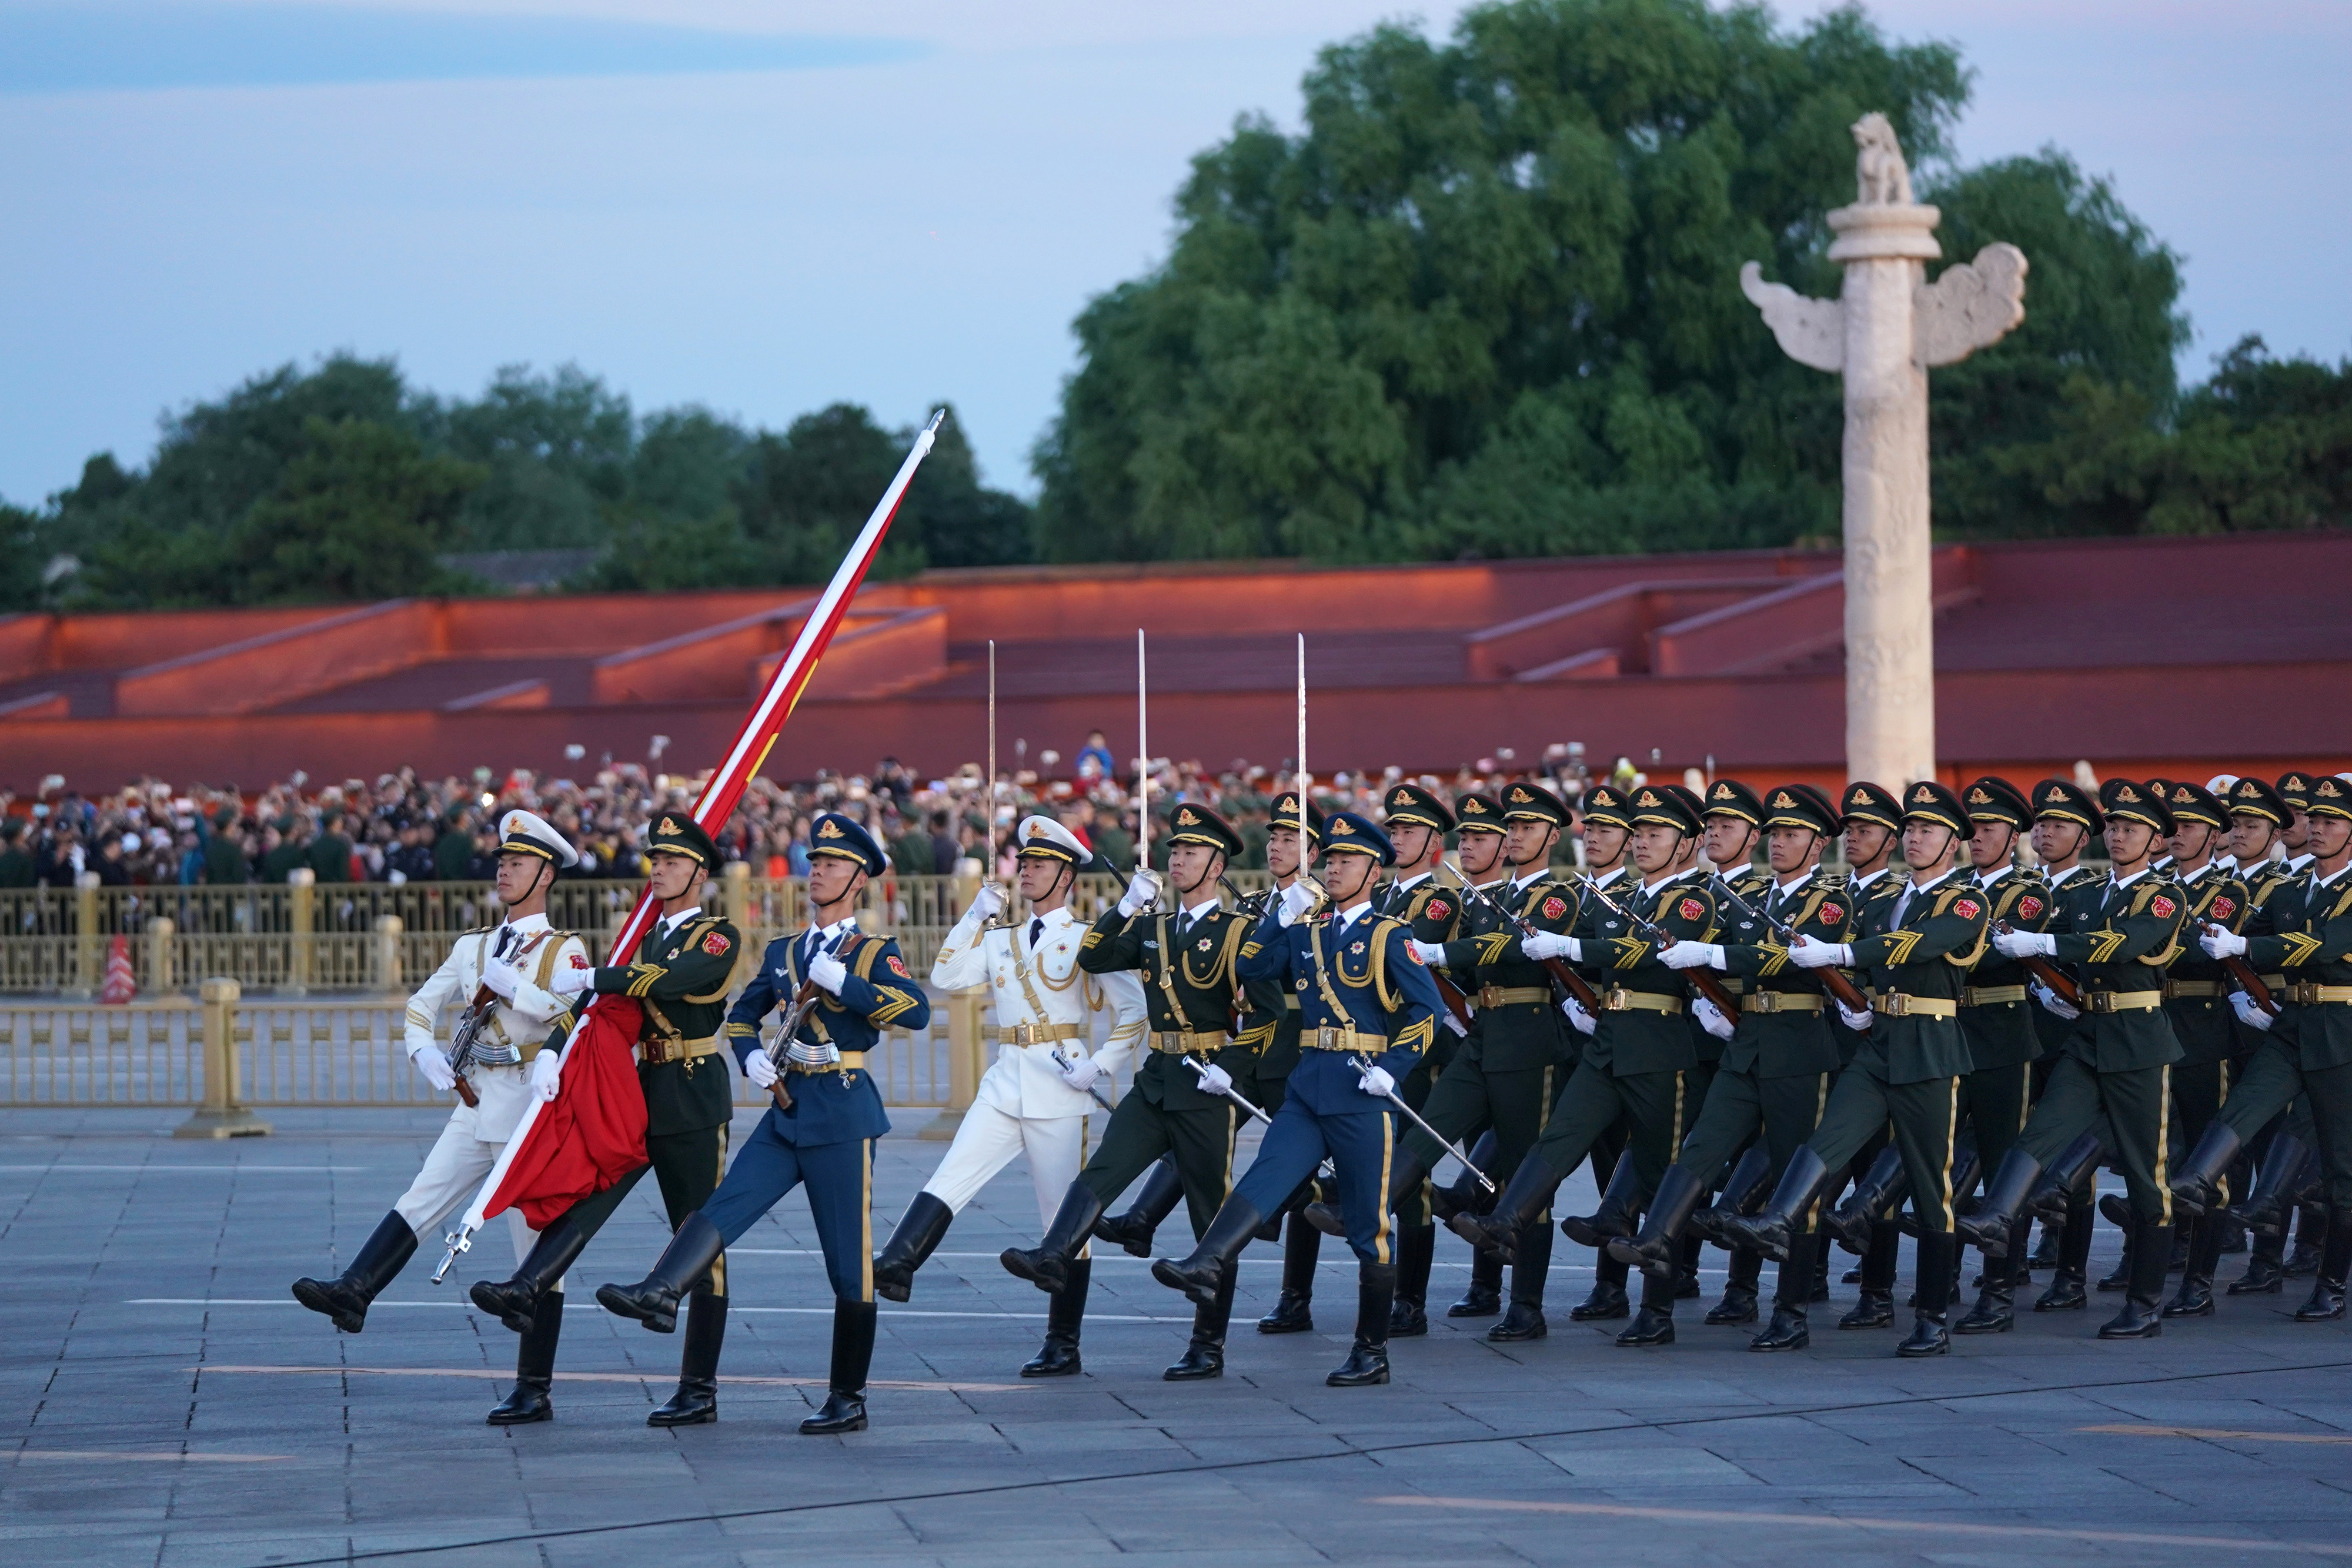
(1944, 1040)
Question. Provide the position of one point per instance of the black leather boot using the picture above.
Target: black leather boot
(1162, 1188)
(2199, 1180)
(1658, 1246)
(2069, 1288)
(1416, 1252)
(1790, 1328)
(1205, 1353)
(1483, 1297)
(1886, 1183)
(2328, 1285)
(528, 1400)
(1065, 1312)
(346, 1297)
(920, 1231)
(2265, 1210)
(853, 1354)
(2063, 1179)
(1996, 1308)
(1607, 1303)
(1524, 1197)
(684, 1264)
(1465, 1195)
(2045, 1249)
(1938, 1261)
(1368, 1358)
(1654, 1323)
(2265, 1272)
(1989, 1228)
(1615, 1215)
(1769, 1229)
(2310, 1239)
(2120, 1278)
(1302, 1248)
(1876, 1307)
(2195, 1297)
(515, 1302)
(2143, 1315)
(1742, 1289)
(1048, 1264)
(1524, 1319)
(1821, 1272)
(1686, 1280)
(1743, 1192)
(695, 1403)
(1200, 1274)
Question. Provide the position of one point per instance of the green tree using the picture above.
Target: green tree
(362, 513)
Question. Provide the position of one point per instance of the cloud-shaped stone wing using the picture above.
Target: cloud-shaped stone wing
(1810, 331)
(1968, 308)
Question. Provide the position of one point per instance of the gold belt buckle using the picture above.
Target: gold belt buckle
(1618, 1000)
(1486, 994)
(1024, 1034)
(1764, 1002)
(2102, 1001)
(1895, 1005)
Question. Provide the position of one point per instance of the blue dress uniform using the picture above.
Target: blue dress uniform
(1362, 998)
(820, 1132)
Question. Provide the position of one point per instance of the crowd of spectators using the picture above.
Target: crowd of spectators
(406, 829)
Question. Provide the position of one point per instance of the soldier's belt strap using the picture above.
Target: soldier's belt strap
(850, 1062)
(1733, 984)
(658, 1049)
(1901, 1004)
(2275, 982)
(1513, 996)
(1326, 1038)
(1187, 1042)
(1291, 1003)
(2192, 988)
(1782, 1002)
(1991, 996)
(2311, 993)
(1617, 1000)
(2122, 1001)
(1033, 1033)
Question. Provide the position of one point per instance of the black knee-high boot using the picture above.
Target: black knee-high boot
(853, 1357)
(2195, 1297)
(1302, 1247)
(2327, 1284)
(1743, 1287)
(1048, 1264)
(515, 1302)
(534, 1369)
(2069, 1288)
(1881, 1258)
(1483, 1297)
(1163, 1189)
(1654, 1323)
(1525, 1320)
(346, 1297)
(697, 1399)
(1368, 1358)
(1205, 1353)
(1939, 1260)
(919, 1234)
(1789, 1328)
(1416, 1253)
(684, 1264)
(1066, 1314)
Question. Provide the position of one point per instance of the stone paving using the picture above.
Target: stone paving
(168, 1405)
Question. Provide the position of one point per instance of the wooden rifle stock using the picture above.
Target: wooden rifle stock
(1704, 979)
(1568, 979)
(802, 1000)
(2054, 980)
(1834, 979)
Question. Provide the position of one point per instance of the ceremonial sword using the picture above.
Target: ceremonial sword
(1365, 1064)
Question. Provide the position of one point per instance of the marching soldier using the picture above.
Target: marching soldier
(1638, 1056)
(2310, 946)
(2065, 819)
(1035, 1097)
(839, 989)
(1734, 820)
(1911, 1060)
(2118, 1061)
(1369, 1010)
(2258, 815)
(1205, 1027)
(679, 974)
(1609, 872)
(1775, 1074)
(501, 978)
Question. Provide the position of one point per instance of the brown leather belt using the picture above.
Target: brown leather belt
(1617, 1000)
(658, 1052)
(1512, 996)
(1991, 996)
(1901, 1004)
(1781, 1002)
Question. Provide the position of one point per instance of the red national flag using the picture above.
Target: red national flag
(593, 1133)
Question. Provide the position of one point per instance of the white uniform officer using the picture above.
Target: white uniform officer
(510, 968)
(1034, 1098)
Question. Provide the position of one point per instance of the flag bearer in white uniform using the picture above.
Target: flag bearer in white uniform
(505, 971)
(1035, 1097)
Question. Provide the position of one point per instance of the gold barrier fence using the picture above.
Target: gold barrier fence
(295, 939)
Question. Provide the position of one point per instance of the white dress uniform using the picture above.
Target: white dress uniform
(469, 1143)
(1040, 999)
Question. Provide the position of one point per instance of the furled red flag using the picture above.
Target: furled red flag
(593, 1133)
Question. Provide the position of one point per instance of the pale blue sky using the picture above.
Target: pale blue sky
(765, 207)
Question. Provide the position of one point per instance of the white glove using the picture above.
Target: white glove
(502, 977)
(434, 1067)
(1081, 1074)
(828, 972)
(1377, 1082)
(1141, 894)
(546, 1073)
(2250, 1011)
(1856, 1020)
(988, 901)
(1216, 1079)
(1809, 953)
(2025, 944)
(2054, 1002)
(1583, 1022)
(1430, 954)
(1455, 1024)
(570, 982)
(1693, 955)
(1297, 900)
(1542, 945)
(2221, 944)
(1711, 1019)
(760, 1068)
(814, 1052)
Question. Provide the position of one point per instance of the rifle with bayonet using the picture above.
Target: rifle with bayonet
(1568, 979)
(1708, 986)
(1833, 981)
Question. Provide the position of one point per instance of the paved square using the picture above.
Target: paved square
(169, 1405)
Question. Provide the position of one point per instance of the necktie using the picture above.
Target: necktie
(1902, 906)
(1036, 926)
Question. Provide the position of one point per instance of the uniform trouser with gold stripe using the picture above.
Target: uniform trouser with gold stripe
(2199, 1092)
(2272, 1082)
(1141, 1132)
(687, 1165)
(1995, 1103)
(1359, 1145)
(2139, 1109)
(1657, 1109)
(1924, 1116)
(840, 1180)
(1469, 1097)
(1738, 1105)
